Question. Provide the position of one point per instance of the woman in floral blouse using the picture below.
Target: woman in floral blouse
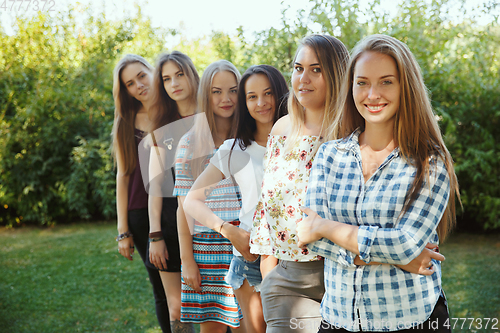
(381, 193)
(292, 290)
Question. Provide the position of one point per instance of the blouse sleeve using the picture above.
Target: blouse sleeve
(404, 242)
(183, 177)
(316, 199)
(260, 236)
(221, 158)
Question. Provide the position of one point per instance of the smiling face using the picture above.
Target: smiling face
(260, 98)
(224, 92)
(376, 88)
(138, 80)
(308, 83)
(175, 82)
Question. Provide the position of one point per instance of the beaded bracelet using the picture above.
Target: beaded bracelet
(126, 234)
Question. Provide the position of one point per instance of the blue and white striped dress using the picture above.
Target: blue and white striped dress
(212, 252)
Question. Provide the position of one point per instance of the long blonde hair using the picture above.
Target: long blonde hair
(198, 144)
(333, 58)
(126, 108)
(416, 129)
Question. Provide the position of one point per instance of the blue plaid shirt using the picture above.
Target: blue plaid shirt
(376, 297)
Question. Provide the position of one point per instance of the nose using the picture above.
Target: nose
(140, 84)
(373, 93)
(174, 82)
(225, 96)
(261, 101)
(304, 78)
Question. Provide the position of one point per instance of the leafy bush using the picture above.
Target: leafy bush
(57, 111)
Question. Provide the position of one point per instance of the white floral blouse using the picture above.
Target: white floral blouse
(284, 189)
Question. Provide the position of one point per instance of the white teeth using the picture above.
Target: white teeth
(375, 107)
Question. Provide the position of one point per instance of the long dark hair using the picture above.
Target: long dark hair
(165, 108)
(244, 126)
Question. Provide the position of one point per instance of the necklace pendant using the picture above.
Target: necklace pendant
(169, 143)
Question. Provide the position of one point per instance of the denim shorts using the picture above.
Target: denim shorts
(241, 269)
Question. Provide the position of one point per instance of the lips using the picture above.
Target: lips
(227, 107)
(144, 92)
(375, 108)
(177, 91)
(262, 112)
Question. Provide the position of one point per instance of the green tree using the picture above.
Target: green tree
(55, 79)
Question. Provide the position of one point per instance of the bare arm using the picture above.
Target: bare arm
(190, 270)
(126, 245)
(267, 263)
(158, 253)
(195, 204)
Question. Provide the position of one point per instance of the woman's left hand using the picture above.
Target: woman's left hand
(423, 264)
(308, 230)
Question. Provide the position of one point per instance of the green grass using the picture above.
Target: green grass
(72, 279)
(471, 279)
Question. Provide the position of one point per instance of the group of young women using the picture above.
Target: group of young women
(318, 208)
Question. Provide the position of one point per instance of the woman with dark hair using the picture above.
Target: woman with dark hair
(176, 82)
(262, 97)
(133, 90)
(380, 194)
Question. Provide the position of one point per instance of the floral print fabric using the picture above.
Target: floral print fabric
(284, 189)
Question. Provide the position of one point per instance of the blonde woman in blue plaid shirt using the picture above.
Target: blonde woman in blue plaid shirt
(379, 195)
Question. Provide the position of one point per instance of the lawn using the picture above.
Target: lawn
(72, 279)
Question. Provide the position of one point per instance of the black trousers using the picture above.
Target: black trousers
(138, 223)
(435, 323)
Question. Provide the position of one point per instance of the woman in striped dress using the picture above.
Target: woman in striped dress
(206, 255)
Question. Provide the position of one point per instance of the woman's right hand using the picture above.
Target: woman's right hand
(126, 247)
(420, 265)
(191, 274)
(158, 254)
(240, 239)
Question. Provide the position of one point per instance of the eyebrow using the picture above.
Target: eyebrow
(311, 65)
(136, 75)
(179, 71)
(382, 77)
(252, 92)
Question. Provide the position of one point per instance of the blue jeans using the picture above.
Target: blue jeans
(242, 269)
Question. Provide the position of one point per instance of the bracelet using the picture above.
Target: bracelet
(220, 228)
(155, 234)
(126, 234)
(156, 239)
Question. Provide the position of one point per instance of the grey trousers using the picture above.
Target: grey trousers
(291, 297)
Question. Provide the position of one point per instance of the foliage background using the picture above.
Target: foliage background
(56, 107)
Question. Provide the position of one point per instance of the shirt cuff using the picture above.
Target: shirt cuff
(366, 235)
(327, 249)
